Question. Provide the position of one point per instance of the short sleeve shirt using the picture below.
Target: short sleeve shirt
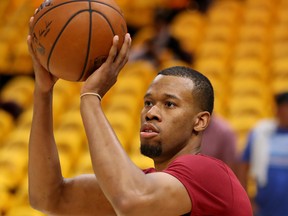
(213, 188)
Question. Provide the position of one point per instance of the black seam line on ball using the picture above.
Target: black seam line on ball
(64, 3)
(90, 32)
(88, 43)
(60, 33)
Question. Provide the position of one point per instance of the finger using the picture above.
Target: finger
(125, 51)
(30, 24)
(113, 50)
(123, 56)
(29, 44)
(31, 51)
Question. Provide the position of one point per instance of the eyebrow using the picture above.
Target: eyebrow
(166, 96)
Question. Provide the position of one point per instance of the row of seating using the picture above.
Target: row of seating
(122, 106)
(240, 45)
(243, 50)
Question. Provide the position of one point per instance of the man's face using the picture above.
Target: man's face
(168, 116)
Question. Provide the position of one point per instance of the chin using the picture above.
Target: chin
(151, 151)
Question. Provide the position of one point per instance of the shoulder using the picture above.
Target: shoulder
(198, 170)
(198, 161)
(209, 182)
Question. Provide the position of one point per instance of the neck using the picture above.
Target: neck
(161, 164)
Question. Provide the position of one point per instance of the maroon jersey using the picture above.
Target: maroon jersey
(213, 188)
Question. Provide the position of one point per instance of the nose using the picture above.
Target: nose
(153, 114)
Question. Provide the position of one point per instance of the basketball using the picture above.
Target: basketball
(72, 38)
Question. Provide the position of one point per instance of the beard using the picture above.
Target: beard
(151, 151)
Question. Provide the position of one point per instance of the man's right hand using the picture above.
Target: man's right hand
(44, 79)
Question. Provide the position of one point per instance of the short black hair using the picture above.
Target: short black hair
(203, 90)
(281, 98)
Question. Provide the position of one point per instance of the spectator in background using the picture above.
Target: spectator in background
(162, 45)
(265, 159)
(219, 141)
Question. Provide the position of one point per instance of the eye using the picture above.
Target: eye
(170, 104)
(147, 103)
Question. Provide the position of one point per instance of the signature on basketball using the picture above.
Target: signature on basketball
(41, 33)
(45, 31)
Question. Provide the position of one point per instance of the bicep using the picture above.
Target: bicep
(166, 195)
(83, 196)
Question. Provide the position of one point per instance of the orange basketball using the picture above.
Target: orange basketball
(72, 38)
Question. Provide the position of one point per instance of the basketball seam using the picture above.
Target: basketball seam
(112, 30)
(89, 38)
(58, 36)
(107, 20)
(68, 21)
(119, 12)
(88, 47)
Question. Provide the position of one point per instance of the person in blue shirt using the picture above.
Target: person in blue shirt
(265, 159)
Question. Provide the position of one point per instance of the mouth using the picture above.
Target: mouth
(148, 131)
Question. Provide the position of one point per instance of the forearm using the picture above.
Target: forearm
(43, 168)
(118, 177)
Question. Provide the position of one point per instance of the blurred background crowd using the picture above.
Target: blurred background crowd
(241, 45)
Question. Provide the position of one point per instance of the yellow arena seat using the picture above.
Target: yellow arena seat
(6, 125)
(69, 142)
(23, 211)
(19, 90)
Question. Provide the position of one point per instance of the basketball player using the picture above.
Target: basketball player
(177, 109)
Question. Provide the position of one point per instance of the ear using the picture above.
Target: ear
(202, 121)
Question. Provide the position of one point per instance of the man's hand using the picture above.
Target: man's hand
(101, 80)
(44, 79)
